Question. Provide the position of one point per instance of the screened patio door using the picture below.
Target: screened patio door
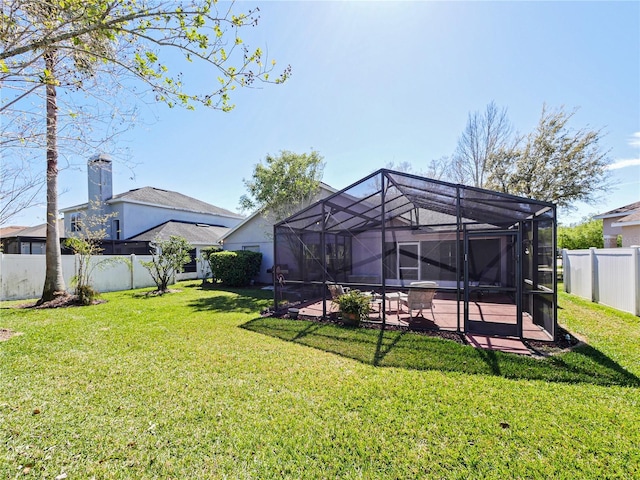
(492, 283)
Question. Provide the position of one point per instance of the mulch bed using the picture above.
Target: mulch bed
(61, 301)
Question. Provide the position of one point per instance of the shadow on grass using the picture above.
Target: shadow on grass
(392, 348)
(247, 300)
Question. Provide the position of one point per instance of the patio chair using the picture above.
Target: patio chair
(419, 298)
(336, 290)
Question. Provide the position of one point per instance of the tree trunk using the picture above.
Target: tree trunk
(54, 282)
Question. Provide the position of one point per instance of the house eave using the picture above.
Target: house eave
(610, 215)
(75, 208)
(626, 224)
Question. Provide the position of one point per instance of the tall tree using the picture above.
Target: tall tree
(283, 183)
(437, 169)
(71, 44)
(553, 163)
(485, 134)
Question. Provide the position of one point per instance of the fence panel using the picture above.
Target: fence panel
(577, 272)
(610, 276)
(22, 276)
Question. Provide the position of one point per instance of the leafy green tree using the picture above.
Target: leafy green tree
(553, 163)
(283, 183)
(586, 234)
(168, 257)
(71, 45)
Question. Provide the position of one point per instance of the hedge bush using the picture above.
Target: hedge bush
(236, 268)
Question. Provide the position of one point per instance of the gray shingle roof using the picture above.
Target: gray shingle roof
(634, 217)
(618, 212)
(35, 231)
(195, 233)
(171, 199)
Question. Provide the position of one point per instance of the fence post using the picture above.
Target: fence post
(566, 271)
(133, 266)
(594, 274)
(635, 272)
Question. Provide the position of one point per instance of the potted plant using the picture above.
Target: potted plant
(354, 306)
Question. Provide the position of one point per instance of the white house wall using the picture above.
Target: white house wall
(256, 232)
(610, 233)
(136, 218)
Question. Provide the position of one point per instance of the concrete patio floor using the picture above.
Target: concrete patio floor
(445, 317)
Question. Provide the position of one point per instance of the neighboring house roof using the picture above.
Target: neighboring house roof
(35, 231)
(621, 211)
(10, 231)
(165, 198)
(323, 186)
(194, 233)
(629, 220)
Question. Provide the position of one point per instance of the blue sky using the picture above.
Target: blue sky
(375, 83)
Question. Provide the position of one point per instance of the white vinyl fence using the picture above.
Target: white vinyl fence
(22, 276)
(610, 276)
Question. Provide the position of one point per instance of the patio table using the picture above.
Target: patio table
(391, 296)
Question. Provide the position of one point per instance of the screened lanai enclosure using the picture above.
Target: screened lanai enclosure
(485, 260)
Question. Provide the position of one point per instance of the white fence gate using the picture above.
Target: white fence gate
(22, 276)
(610, 276)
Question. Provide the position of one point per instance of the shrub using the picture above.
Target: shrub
(236, 268)
(205, 255)
(86, 294)
(168, 257)
(587, 233)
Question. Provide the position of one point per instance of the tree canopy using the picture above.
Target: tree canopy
(283, 183)
(586, 234)
(76, 45)
(129, 37)
(554, 163)
(485, 134)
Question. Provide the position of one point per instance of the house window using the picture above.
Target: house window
(76, 225)
(251, 248)
(115, 234)
(192, 265)
(408, 260)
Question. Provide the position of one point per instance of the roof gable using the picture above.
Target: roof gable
(324, 191)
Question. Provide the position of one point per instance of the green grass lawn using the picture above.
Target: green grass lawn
(197, 385)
